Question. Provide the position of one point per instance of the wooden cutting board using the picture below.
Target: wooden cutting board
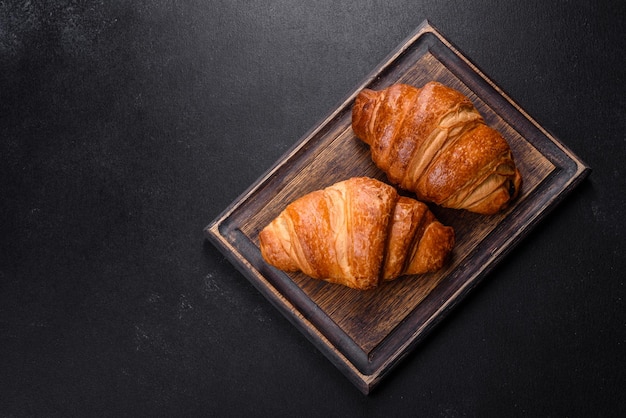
(366, 333)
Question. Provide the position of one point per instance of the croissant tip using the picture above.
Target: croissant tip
(365, 96)
(362, 107)
(516, 185)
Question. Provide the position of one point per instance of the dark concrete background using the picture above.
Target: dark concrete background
(127, 126)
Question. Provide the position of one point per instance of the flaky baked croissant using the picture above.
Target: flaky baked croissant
(432, 141)
(357, 233)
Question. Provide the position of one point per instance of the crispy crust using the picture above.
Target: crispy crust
(355, 233)
(433, 142)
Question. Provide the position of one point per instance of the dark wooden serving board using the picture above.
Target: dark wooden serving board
(366, 333)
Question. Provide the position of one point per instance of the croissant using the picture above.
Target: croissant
(433, 142)
(357, 233)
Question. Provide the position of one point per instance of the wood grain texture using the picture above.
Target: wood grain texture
(366, 333)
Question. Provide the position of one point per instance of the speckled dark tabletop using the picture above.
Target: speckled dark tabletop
(127, 126)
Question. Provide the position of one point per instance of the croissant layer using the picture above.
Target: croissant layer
(357, 233)
(432, 141)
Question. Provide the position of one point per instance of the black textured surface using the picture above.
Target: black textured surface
(125, 127)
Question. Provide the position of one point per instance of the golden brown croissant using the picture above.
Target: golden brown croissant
(433, 142)
(357, 233)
